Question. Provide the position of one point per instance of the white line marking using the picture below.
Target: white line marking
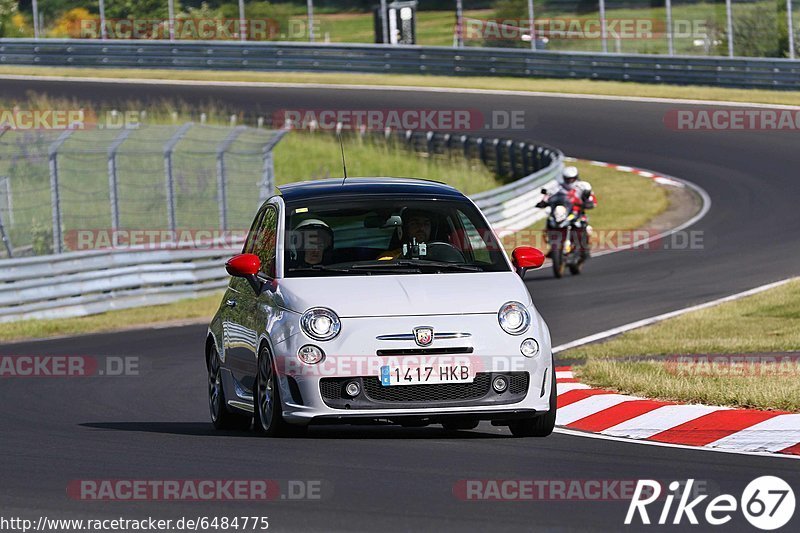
(665, 316)
(564, 374)
(589, 406)
(406, 88)
(576, 433)
(658, 420)
(772, 435)
(561, 388)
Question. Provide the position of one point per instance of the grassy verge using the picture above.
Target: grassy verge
(766, 322)
(609, 88)
(301, 157)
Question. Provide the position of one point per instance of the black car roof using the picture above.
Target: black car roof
(354, 187)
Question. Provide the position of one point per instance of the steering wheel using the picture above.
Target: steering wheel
(445, 252)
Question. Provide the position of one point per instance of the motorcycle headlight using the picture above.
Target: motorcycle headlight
(514, 318)
(560, 213)
(320, 324)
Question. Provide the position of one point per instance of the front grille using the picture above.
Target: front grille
(425, 351)
(427, 393)
(374, 395)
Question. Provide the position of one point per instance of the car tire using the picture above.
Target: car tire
(540, 425)
(558, 263)
(267, 407)
(221, 417)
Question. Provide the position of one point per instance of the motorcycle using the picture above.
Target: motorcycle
(568, 233)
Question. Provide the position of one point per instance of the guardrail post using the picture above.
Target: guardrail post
(113, 183)
(526, 157)
(222, 196)
(170, 182)
(512, 158)
(6, 241)
(55, 192)
(481, 149)
(498, 157)
(429, 142)
(267, 184)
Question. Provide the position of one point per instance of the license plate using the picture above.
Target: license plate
(427, 374)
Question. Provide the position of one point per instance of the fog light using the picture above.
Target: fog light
(529, 348)
(310, 354)
(499, 384)
(353, 389)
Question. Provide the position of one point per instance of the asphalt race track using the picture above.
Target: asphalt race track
(155, 426)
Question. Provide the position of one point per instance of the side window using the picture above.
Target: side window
(251, 235)
(265, 240)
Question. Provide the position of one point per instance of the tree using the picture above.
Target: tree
(8, 8)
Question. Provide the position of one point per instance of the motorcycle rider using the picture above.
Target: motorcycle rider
(579, 193)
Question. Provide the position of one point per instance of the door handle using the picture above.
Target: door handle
(230, 303)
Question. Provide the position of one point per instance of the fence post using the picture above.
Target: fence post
(113, 183)
(790, 22)
(168, 149)
(267, 184)
(55, 192)
(222, 196)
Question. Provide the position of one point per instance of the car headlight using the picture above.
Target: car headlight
(320, 324)
(514, 318)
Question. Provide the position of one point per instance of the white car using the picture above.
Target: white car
(378, 299)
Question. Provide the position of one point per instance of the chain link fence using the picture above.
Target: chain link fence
(77, 189)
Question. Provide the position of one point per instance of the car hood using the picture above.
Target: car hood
(403, 295)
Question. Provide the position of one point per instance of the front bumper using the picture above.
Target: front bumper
(309, 392)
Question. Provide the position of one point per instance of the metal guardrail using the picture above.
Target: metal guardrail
(266, 56)
(83, 283)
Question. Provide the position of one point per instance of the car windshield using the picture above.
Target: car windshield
(388, 236)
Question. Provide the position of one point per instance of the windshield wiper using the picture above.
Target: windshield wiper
(420, 263)
(319, 268)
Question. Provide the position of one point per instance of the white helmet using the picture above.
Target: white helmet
(297, 241)
(569, 176)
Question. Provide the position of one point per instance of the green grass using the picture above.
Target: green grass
(762, 323)
(304, 156)
(609, 88)
(765, 322)
(772, 390)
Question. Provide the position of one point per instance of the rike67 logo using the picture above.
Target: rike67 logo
(767, 503)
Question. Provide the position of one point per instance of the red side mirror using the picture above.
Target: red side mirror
(243, 265)
(525, 257)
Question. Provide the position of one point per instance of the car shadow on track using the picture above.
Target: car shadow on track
(205, 429)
